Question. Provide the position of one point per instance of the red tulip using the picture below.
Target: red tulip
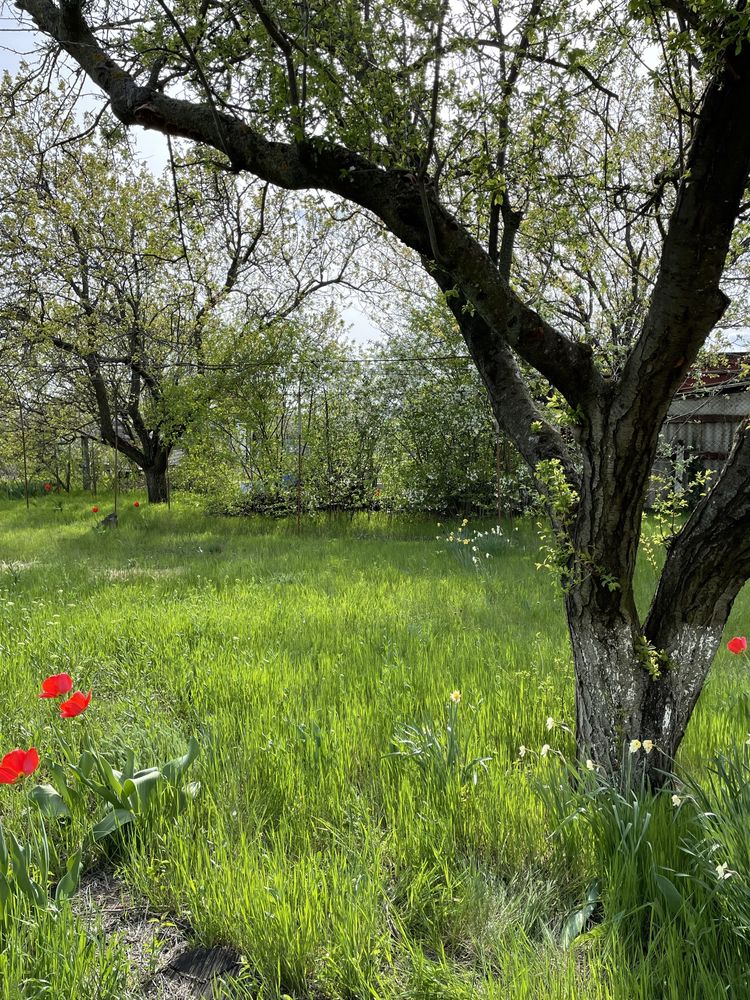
(17, 764)
(136, 504)
(47, 487)
(57, 684)
(77, 703)
(94, 510)
(737, 645)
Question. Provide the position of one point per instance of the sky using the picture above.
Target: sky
(16, 43)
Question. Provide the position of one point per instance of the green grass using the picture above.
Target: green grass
(336, 869)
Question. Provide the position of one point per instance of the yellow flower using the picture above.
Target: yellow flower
(455, 697)
(464, 522)
(648, 745)
(590, 765)
(635, 746)
(676, 800)
(545, 749)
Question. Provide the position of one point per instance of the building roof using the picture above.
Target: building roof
(728, 372)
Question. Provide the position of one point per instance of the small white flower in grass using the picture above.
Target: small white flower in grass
(724, 871)
(648, 745)
(545, 750)
(676, 800)
(635, 746)
(455, 697)
(550, 723)
(590, 765)
(522, 751)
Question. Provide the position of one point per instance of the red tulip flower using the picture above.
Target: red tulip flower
(136, 504)
(94, 510)
(77, 703)
(47, 487)
(57, 684)
(737, 645)
(18, 764)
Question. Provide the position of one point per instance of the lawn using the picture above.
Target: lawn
(333, 867)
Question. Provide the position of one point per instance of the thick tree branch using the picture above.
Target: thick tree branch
(687, 300)
(709, 560)
(392, 195)
(515, 410)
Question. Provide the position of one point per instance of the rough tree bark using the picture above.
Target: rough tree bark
(634, 678)
(156, 478)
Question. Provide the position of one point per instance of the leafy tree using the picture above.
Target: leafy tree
(512, 147)
(438, 449)
(130, 290)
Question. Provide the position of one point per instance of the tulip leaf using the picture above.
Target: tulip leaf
(3, 854)
(111, 821)
(108, 774)
(142, 786)
(577, 920)
(85, 764)
(173, 768)
(69, 882)
(5, 895)
(50, 802)
(19, 858)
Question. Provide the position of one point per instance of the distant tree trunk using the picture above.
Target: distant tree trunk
(157, 486)
(85, 463)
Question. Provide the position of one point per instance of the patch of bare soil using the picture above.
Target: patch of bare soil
(165, 965)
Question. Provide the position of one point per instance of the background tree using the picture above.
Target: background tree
(439, 119)
(126, 286)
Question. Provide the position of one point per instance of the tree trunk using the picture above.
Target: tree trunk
(625, 692)
(156, 482)
(85, 463)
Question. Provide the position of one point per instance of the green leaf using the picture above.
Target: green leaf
(49, 801)
(108, 775)
(5, 896)
(173, 768)
(69, 795)
(111, 821)
(578, 919)
(19, 859)
(670, 893)
(140, 789)
(68, 884)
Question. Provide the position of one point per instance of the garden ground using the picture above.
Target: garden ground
(330, 866)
